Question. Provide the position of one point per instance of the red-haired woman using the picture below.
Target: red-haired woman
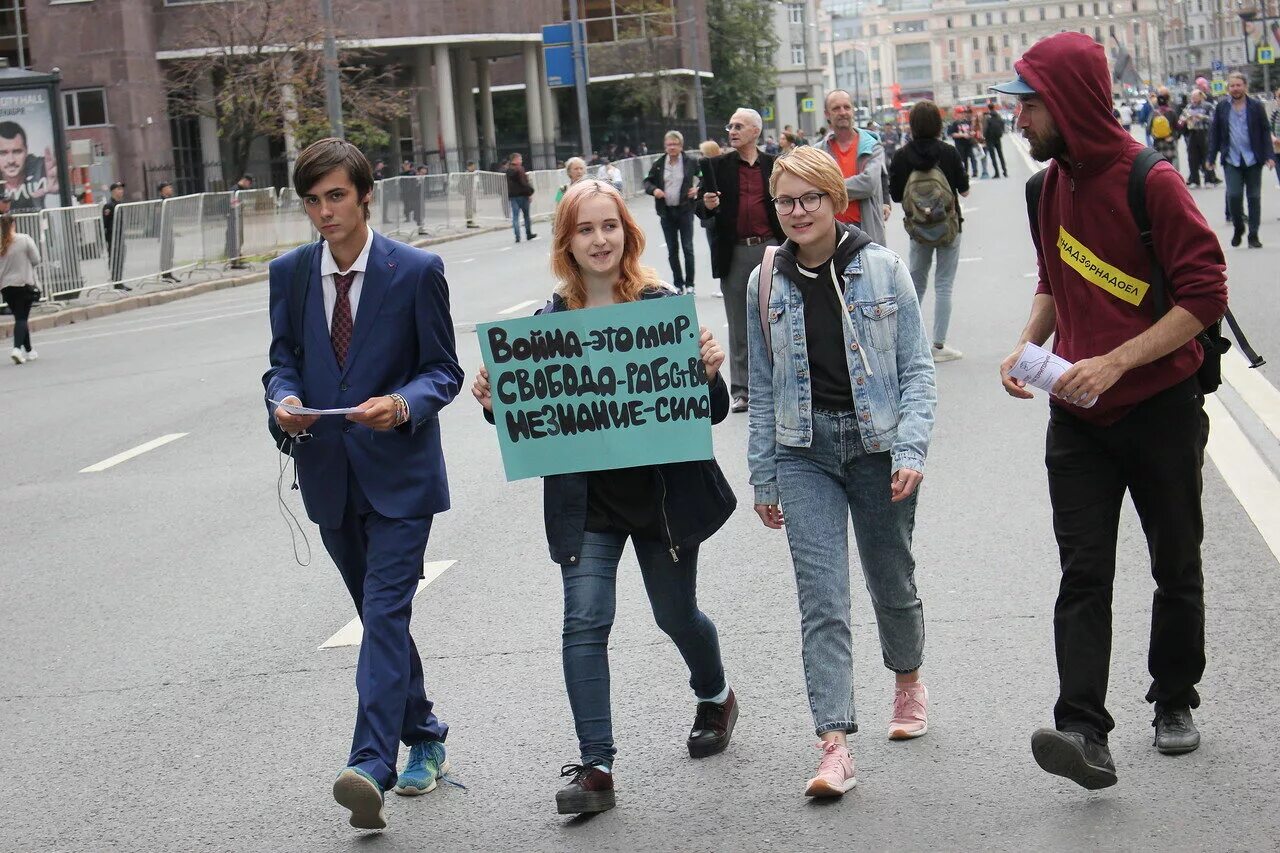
(666, 511)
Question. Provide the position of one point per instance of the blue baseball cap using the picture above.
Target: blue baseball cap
(1016, 86)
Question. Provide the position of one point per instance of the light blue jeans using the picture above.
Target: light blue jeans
(820, 487)
(919, 259)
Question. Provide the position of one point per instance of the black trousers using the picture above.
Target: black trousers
(19, 301)
(1197, 151)
(1156, 453)
(995, 148)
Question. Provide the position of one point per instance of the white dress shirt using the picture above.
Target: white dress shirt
(328, 267)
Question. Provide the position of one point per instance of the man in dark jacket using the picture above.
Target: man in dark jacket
(1241, 136)
(519, 190)
(993, 132)
(1129, 414)
(671, 183)
(114, 252)
(735, 191)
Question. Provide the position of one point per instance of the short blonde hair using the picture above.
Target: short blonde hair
(816, 168)
(674, 134)
(710, 148)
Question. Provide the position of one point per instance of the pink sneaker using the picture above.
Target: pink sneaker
(910, 718)
(835, 772)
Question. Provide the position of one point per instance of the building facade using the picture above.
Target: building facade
(115, 57)
(1200, 31)
(799, 62)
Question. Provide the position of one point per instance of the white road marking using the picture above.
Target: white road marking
(518, 307)
(1020, 145)
(1259, 394)
(465, 261)
(506, 248)
(1246, 472)
(1030, 274)
(970, 209)
(127, 319)
(969, 260)
(262, 310)
(353, 632)
(129, 454)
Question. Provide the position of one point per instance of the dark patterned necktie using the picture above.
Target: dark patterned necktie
(340, 330)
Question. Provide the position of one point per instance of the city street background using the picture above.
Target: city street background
(162, 686)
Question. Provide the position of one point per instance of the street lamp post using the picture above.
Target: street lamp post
(332, 92)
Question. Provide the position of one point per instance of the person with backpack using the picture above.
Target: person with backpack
(1162, 128)
(1129, 414)
(993, 132)
(928, 179)
(842, 406)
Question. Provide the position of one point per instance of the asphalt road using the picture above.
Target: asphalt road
(162, 686)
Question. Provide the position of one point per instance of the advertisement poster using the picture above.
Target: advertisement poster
(28, 167)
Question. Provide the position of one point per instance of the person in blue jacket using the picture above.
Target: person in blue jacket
(1239, 134)
(666, 511)
(363, 321)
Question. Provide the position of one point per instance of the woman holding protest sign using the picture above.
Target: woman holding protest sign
(666, 510)
(842, 399)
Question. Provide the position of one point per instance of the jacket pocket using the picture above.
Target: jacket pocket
(880, 322)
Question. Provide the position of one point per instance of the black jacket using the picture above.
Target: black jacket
(993, 126)
(654, 181)
(518, 185)
(696, 497)
(922, 155)
(720, 174)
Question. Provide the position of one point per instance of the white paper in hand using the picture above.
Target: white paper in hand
(295, 409)
(1041, 369)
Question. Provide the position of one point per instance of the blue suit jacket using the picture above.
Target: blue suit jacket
(402, 343)
(1259, 133)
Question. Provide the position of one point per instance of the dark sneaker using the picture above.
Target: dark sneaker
(1176, 733)
(1237, 237)
(1072, 755)
(591, 790)
(358, 791)
(739, 405)
(531, 236)
(1254, 242)
(712, 727)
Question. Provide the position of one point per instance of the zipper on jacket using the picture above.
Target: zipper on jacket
(675, 558)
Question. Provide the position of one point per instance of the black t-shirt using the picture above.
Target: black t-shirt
(824, 337)
(961, 127)
(624, 500)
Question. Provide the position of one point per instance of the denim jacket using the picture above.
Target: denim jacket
(890, 368)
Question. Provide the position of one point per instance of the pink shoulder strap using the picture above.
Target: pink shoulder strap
(766, 291)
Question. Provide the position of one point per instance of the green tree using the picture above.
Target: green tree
(743, 46)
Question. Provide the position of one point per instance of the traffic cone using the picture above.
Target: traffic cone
(88, 193)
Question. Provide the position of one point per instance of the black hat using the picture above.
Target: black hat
(115, 184)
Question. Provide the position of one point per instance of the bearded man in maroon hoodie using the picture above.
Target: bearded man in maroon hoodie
(1128, 416)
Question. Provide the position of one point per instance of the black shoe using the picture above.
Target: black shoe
(124, 287)
(1176, 733)
(712, 727)
(1072, 755)
(239, 266)
(591, 790)
(739, 405)
(1237, 237)
(531, 236)
(1254, 242)
(170, 277)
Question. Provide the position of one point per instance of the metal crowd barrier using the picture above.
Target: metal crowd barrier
(157, 242)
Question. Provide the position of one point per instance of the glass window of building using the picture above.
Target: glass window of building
(1006, 40)
(797, 54)
(85, 107)
(15, 45)
(795, 13)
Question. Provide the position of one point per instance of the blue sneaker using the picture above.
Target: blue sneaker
(356, 790)
(427, 764)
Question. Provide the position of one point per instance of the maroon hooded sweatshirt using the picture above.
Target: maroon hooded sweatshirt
(1092, 260)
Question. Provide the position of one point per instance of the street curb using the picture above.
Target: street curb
(84, 313)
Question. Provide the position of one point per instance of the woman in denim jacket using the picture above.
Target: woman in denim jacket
(666, 511)
(842, 401)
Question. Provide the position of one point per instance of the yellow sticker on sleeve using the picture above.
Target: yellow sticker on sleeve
(1116, 282)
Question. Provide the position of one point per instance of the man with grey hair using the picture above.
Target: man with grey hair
(860, 157)
(671, 183)
(735, 193)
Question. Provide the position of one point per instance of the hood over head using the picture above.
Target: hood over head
(1069, 71)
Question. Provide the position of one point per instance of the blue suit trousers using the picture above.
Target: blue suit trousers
(380, 560)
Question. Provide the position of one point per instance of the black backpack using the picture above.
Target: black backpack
(1211, 339)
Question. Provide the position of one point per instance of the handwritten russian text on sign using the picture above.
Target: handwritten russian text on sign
(598, 388)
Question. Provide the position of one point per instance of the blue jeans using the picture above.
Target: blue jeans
(1244, 181)
(820, 486)
(520, 204)
(919, 259)
(677, 230)
(589, 603)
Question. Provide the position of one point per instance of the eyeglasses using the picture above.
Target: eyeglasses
(737, 126)
(809, 202)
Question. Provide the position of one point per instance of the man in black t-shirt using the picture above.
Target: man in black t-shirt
(960, 132)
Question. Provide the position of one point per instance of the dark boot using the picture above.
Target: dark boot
(713, 727)
(591, 790)
(1176, 732)
(1075, 757)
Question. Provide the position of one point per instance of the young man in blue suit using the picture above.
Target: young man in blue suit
(359, 320)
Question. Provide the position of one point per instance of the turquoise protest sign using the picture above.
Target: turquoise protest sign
(598, 388)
